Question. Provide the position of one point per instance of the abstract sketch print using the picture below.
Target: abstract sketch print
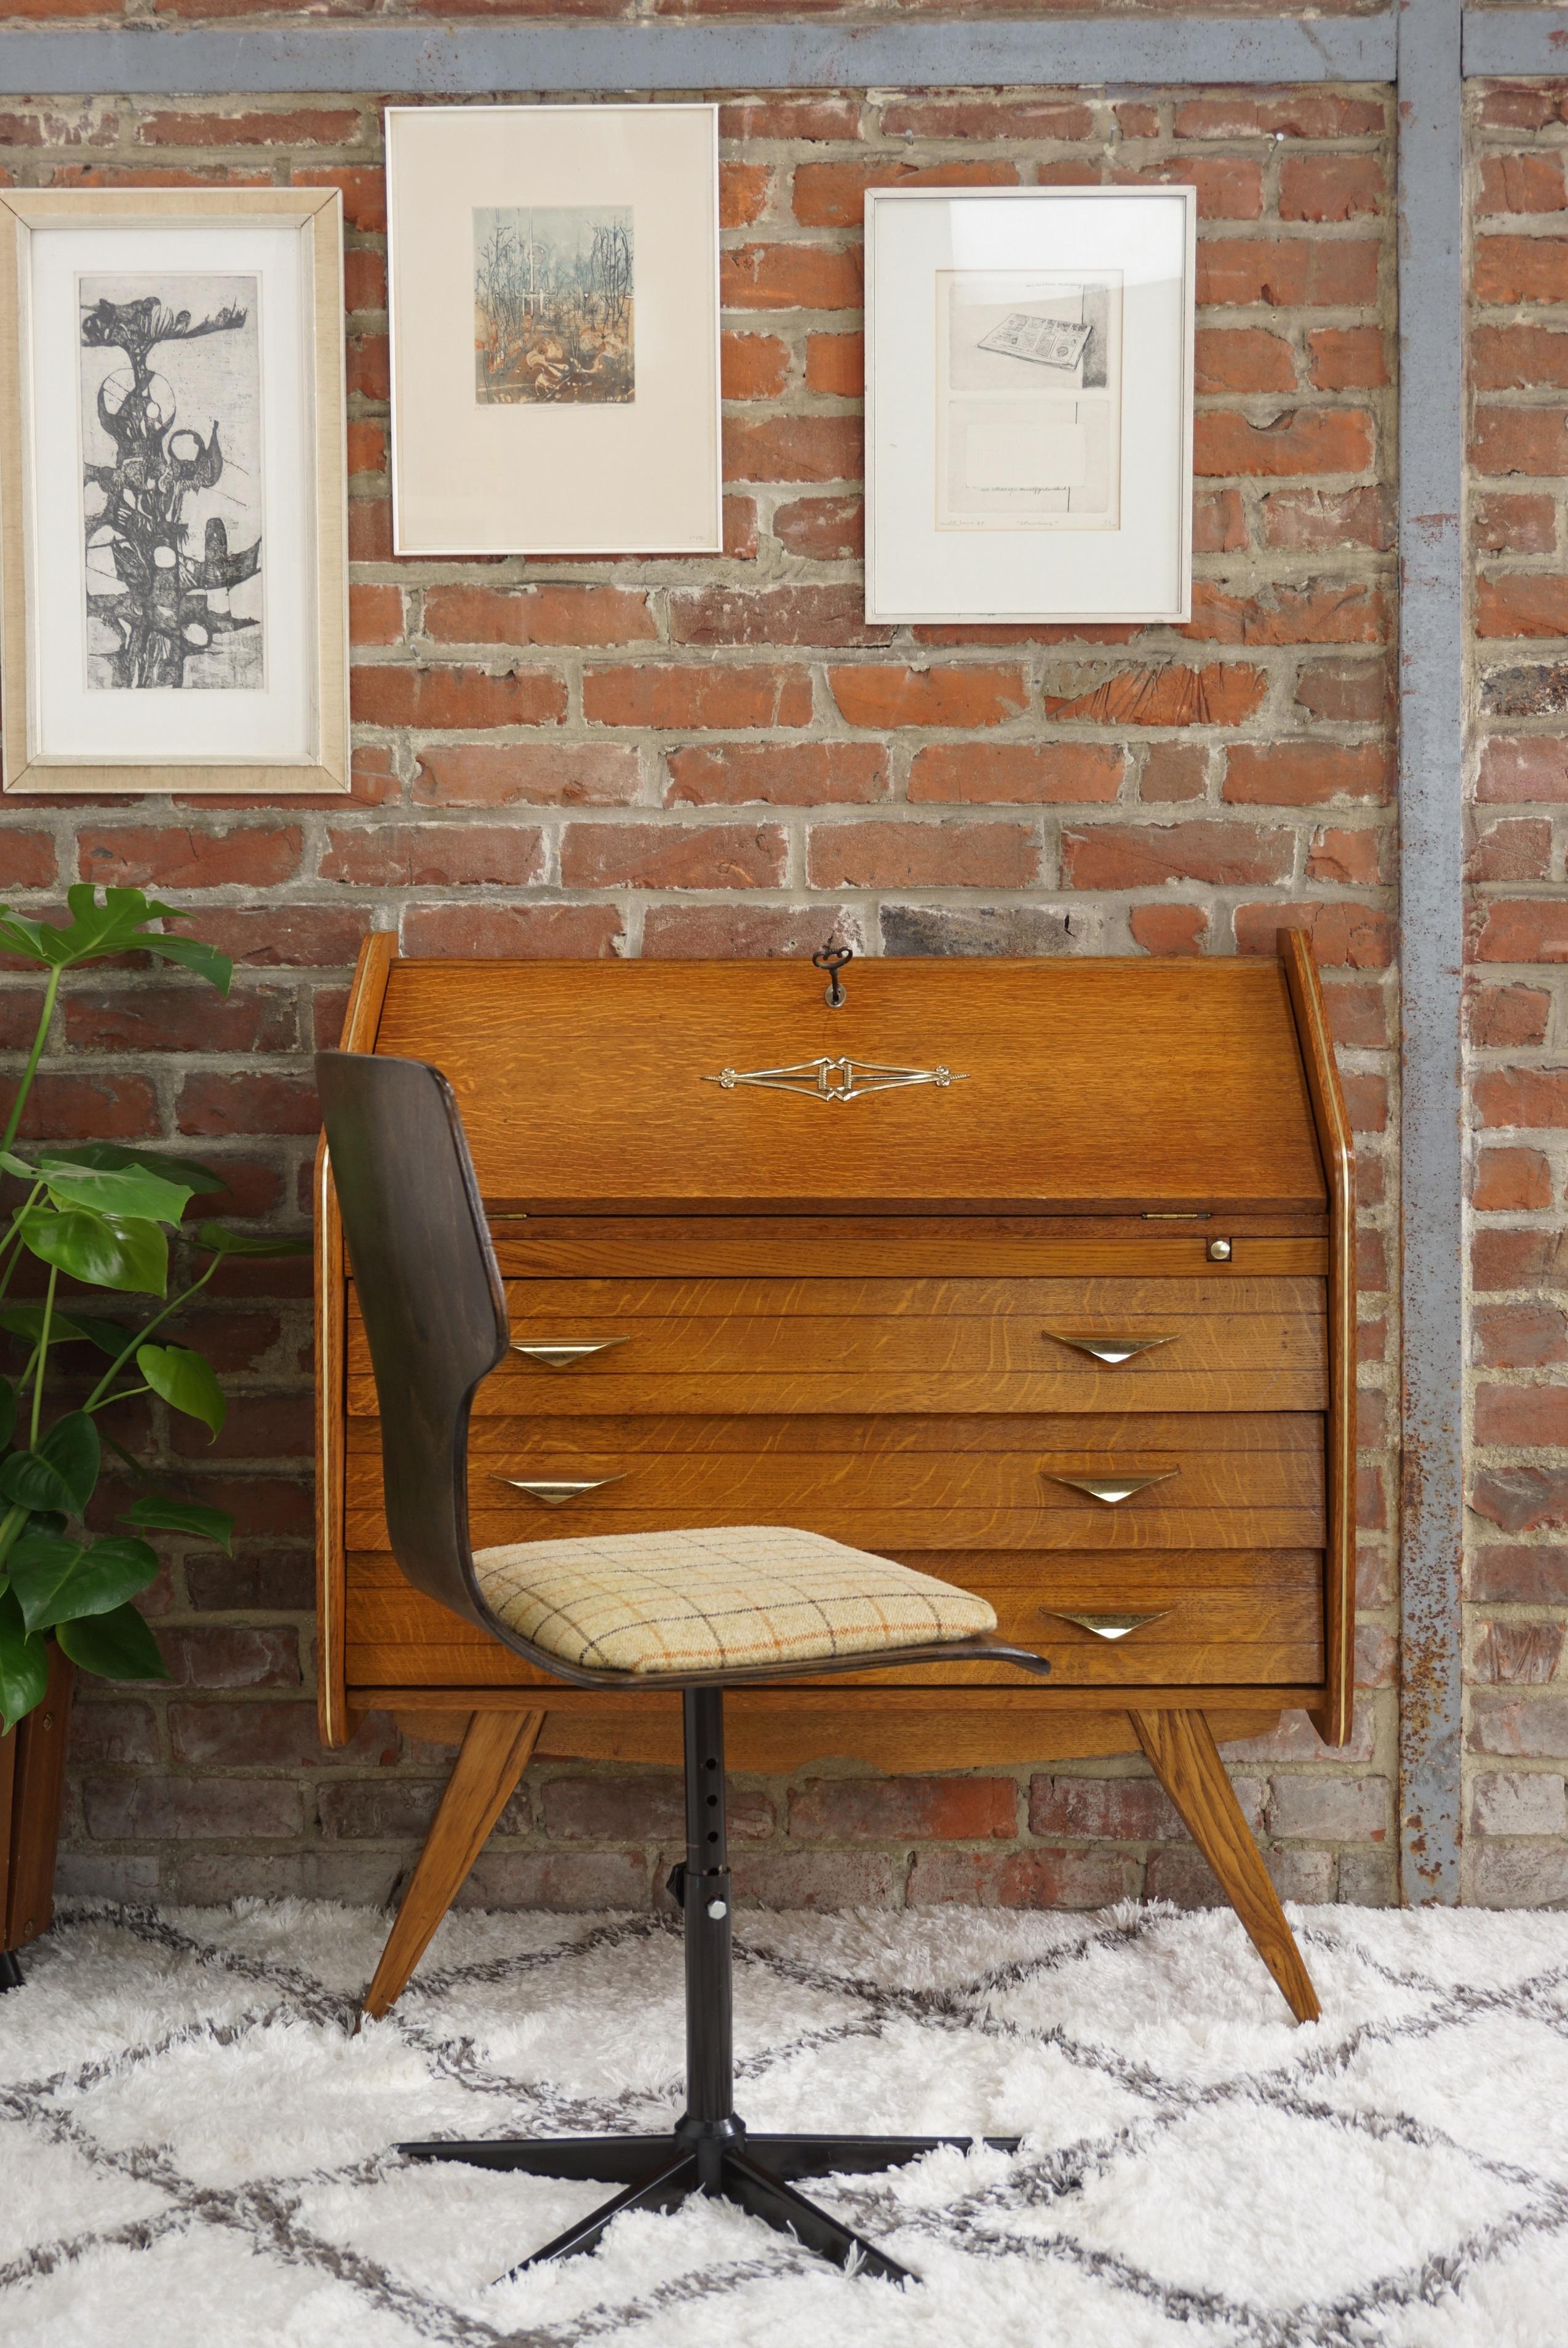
(1029, 399)
(554, 307)
(171, 481)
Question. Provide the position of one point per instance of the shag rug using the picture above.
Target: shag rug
(194, 2146)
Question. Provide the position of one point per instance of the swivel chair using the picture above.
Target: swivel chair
(699, 1612)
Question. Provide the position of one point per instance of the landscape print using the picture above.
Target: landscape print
(170, 378)
(553, 304)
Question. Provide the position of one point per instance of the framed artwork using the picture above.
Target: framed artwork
(1028, 403)
(173, 564)
(555, 329)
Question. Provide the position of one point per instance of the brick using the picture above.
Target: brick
(368, 360)
(1346, 691)
(1357, 1016)
(1302, 440)
(1330, 187)
(1314, 521)
(884, 698)
(1219, 521)
(1525, 1258)
(1286, 272)
(1518, 359)
(1521, 1417)
(743, 192)
(1348, 358)
(111, 1735)
(672, 856)
(180, 1018)
(1529, 106)
(1225, 694)
(1137, 122)
(537, 615)
(1015, 773)
(513, 932)
(1169, 930)
(1505, 1802)
(139, 855)
(1305, 113)
(793, 117)
(739, 522)
(1501, 1015)
(791, 277)
(1521, 1499)
(434, 699)
(1305, 773)
(825, 527)
(833, 614)
(752, 367)
(30, 862)
(898, 1809)
(835, 365)
(526, 774)
(1318, 612)
(833, 195)
(1537, 691)
(1346, 860)
(433, 856)
(281, 1584)
(1129, 856)
(1244, 358)
(173, 1809)
(1506, 270)
(1505, 1573)
(1523, 1727)
(1105, 1810)
(364, 279)
(1520, 440)
(375, 615)
(294, 126)
(1023, 1879)
(742, 933)
(376, 1810)
(1515, 525)
(894, 855)
(272, 1736)
(1357, 937)
(979, 115)
(1511, 1182)
(282, 936)
(1174, 770)
(669, 698)
(1230, 187)
(1515, 848)
(1325, 1809)
(1521, 604)
(1522, 930)
(90, 1109)
(638, 1809)
(794, 448)
(972, 930)
(778, 774)
(817, 1881)
(1522, 183)
(1517, 1654)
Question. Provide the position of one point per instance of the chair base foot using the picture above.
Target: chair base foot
(659, 2172)
(11, 1973)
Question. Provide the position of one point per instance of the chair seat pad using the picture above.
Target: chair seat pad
(718, 1599)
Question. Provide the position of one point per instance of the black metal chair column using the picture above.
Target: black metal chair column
(436, 1316)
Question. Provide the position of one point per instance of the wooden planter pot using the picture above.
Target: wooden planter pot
(32, 1783)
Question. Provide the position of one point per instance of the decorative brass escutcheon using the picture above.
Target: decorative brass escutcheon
(834, 1080)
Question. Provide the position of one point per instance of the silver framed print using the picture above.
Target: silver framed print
(554, 275)
(1030, 404)
(173, 576)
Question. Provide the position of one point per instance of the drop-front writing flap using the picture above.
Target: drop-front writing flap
(1001, 1086)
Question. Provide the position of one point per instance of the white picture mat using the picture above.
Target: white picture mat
(643, 476)
(1141, 570)
(274, 724)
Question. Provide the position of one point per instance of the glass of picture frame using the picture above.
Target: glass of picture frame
(555, 329)
(1028, 403)
(173, 568)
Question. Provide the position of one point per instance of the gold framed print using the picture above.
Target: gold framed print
(554, 305)
(173, 577)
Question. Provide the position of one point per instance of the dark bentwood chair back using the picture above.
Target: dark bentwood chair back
(430, 1292)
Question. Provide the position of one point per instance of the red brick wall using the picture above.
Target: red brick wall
(719, 757)
(1517, 1567)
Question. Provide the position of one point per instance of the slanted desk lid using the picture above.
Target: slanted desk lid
(948, 1087)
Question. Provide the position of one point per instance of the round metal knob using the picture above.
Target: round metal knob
(1219, 1250)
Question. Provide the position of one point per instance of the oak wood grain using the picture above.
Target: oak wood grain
(1185, 1757)
(567, 1246)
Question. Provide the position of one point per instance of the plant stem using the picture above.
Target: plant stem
(34, 1056)
(10, 1524)
(125, 1395)
(13, 1239)
(42, 1354)
(140, 1336)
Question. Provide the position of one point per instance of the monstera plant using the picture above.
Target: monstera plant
(100, 1216)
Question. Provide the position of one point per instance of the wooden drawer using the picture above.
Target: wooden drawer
(1236, 1619)
(871, 1345)
(1251, 1482)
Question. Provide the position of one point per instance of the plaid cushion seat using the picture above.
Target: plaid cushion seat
(718, 1599)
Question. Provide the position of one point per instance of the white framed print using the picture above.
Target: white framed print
(554, 305)
(1029, 393)
(173, 563)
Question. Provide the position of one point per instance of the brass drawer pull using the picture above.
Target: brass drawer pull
(1105, 1626)
(555, 1491)
(1111, 1489)
(1109, 1350)
(562, 1356)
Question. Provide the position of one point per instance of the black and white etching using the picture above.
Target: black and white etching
(170, 384)
(554, 305)
(1030, 400)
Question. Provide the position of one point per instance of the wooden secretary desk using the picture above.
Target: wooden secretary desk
(1035, 1274)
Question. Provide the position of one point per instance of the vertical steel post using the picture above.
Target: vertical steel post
(710, 2032)
(1431, 754)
